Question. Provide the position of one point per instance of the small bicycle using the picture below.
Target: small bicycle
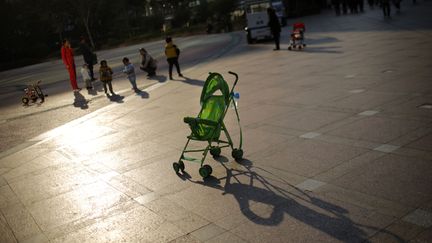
(33, 92)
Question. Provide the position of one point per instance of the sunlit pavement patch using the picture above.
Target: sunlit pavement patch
(368, 113)
(310, 185)
(386, 148)
(310, 135)
(146, 198)
(419, 217)
(356, 91)
(425, 106)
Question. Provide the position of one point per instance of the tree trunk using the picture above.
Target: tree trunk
(86, 25)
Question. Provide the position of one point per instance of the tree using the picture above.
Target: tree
(86, 10)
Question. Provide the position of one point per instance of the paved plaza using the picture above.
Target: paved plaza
(337, 141)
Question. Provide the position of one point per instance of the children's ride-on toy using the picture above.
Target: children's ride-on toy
(33, 92)
(297, 36)
(208, 125)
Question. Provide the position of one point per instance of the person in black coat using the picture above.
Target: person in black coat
(274, 26)
(88, 56)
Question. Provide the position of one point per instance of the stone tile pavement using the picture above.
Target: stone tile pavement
(337, 149)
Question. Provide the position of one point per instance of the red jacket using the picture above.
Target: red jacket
(67, 56)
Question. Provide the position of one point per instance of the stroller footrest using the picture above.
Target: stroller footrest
(193, 121)
(190, 158)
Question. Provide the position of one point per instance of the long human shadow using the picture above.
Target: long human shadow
(142, 93)
(116, 98)
(192, 81)
(333, 221)
(80, 101)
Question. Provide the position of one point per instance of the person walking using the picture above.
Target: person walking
(274, 26)
(336, 6)
(68, 59)
(148, 64)
(88, 55)
(129, 70)
(105, 73)
(385, 4)
(397, 4)
(172, 53)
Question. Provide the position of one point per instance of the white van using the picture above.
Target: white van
(257, 27)
(257, 18)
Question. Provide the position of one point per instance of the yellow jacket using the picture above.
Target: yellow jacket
(170, 50)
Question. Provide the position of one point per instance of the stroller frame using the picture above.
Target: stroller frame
(33, 92)
(214, 143)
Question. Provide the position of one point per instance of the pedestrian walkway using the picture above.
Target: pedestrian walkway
(337, 142)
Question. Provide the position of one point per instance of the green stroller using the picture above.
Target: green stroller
(208, 125)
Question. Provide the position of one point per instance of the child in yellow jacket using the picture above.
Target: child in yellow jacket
(172, 54)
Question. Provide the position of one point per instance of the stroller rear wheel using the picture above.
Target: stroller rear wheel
(205, 171)
(237, 154)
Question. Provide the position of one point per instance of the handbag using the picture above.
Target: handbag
(94, 58)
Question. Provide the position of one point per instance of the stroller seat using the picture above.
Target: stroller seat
(297, 36)
(205, 126)
(208, 124)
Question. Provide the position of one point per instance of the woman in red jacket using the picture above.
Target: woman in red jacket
(68, 60)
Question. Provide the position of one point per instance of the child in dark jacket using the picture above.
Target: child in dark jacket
(172, 54)
(105, 73)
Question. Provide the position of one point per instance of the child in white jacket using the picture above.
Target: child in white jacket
(129, 70)
(85, 72)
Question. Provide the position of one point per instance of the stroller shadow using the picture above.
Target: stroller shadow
(142, 93)
(328, 218)
(222, 159)
(80, 101)
(116, 98)
(323, 40)
(323, 49)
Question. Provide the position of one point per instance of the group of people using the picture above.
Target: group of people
(148, 64)
(355, 6)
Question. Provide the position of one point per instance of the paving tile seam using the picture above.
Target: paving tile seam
(383, 198)
(27, 211)
(8, 225)
(344, 162)
(385, 230)
(86, 220)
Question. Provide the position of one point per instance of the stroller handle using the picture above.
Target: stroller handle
(236, 77)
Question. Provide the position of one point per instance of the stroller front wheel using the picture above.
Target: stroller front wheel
(205, 171)
(25, 100)
(181, 165)
(215, 151)
(176, 167)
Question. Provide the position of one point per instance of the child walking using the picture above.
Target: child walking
(172, 54)
(129, 69)
(105, 73)
(85, 73)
